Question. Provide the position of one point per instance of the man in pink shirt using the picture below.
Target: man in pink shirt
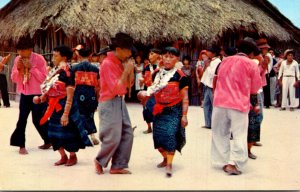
(28, 72)
(238, 78)
(116, 133)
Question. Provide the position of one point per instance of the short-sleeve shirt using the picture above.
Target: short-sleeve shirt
(111, 71)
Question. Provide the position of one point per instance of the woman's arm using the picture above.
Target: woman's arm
(185, 106)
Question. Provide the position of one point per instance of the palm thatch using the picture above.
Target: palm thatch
(145, 20)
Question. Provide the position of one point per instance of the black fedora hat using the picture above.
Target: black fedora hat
(103, 51)
(122, 40)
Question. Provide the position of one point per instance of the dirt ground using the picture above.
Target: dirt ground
(276, 168)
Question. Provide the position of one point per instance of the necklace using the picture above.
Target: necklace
(161, 80)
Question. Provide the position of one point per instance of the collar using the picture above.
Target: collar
(111, 56)
(242, 54)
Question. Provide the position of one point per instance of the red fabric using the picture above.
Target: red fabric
(158, 108)
(148, 78)
(168, 94)
(86, 78)
(181, 73)
(57, 90)
(167, 97)
(53, 104)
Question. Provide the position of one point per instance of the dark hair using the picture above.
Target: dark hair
(121, 40)
(24, 43)
(246, 47)
(214, 49)
(64, 51)
(171, 50)
(186, 57)
(85, 52)
(155, 50)
(230, 51)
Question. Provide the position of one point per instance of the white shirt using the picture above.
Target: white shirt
(270, 64)
(209, 73)
(179, 65)
(289, 70)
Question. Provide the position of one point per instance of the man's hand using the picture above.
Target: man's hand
(26, 63)
(142, 96)
(129, 66)
(5, 59)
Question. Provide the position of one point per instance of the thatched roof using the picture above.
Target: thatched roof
(146, 20)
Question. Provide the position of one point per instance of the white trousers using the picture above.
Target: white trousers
(225, 121)
(288, 88)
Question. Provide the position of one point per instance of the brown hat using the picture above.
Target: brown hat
(262, 43)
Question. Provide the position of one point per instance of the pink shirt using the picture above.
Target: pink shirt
(238, 77)
(38, 73)
(111, 71)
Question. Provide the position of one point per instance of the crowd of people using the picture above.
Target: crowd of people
(232, 87)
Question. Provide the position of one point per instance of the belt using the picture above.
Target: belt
(288, 76)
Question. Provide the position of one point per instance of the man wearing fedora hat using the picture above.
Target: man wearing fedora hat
(289, 76)
(264, 47)
(103, 53)
(116, 133)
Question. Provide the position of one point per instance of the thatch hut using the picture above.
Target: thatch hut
(145, 20)
(195, 23)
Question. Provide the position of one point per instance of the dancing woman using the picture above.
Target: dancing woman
(170, 90)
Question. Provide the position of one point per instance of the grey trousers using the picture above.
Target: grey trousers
(273, 81)
(116, 134)
(225, 121)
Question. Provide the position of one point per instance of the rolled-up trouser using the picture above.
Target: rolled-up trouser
(116, 134)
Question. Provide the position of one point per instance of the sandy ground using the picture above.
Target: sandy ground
(277, 166)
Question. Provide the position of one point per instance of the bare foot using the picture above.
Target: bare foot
(23, 151)
(95, 141)
(98, 167)
(72, 160)
(162, 164)
(62, 161)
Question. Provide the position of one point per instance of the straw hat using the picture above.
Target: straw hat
(288, 51)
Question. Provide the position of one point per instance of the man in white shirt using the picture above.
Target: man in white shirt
(207, 79)
(289, 72)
